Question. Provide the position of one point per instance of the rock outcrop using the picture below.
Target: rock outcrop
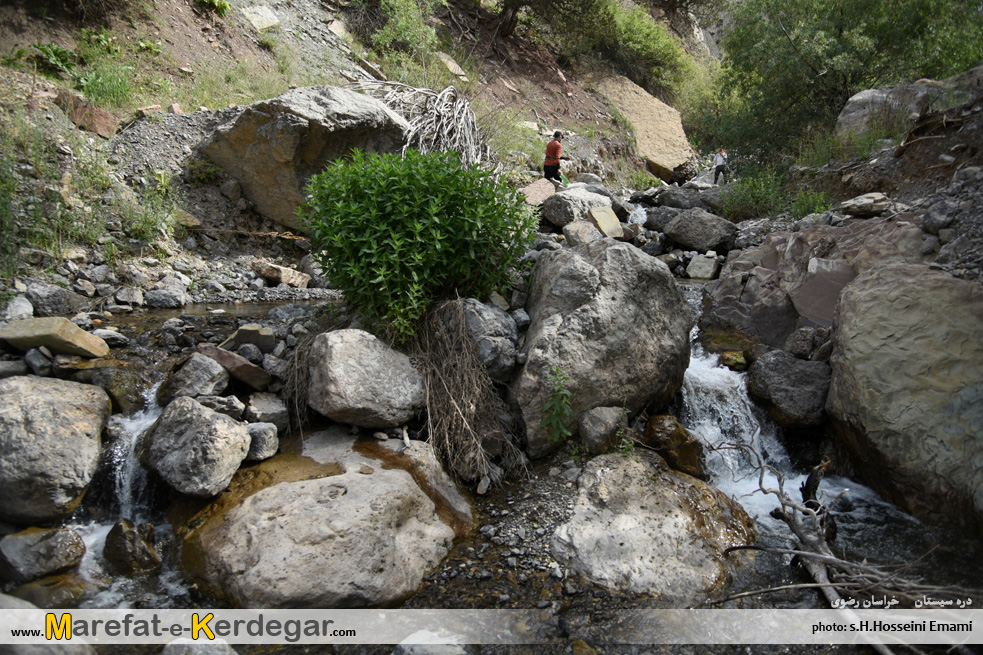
(50, 441)
(274, 146)
(613, 319)
(641, 528)
(659, 135)
(794, 279)
(906, 394)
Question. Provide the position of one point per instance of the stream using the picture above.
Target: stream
(714, 406)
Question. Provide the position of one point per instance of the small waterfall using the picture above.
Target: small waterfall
(130, 485)
(129, 477)
(717, 409)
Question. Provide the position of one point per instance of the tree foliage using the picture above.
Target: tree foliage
(397, 233)
(623, 34)
(796, 62)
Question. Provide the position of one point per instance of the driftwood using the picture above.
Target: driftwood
(812, 527)
(440, 121)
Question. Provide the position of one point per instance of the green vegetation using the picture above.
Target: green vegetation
(794, 63)
(758, 193)
(220, 7)
(49, 202)
(807, 201)
(557, 411)
(397, 233)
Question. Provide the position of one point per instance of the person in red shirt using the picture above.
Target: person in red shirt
(554, 153)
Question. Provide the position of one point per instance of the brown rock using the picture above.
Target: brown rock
(606, 221)
(130, 548)
(238, 366)
(57, 333)
(678, 446)
(537, 192)
(86, 116)
(661, 141)
(734, 360)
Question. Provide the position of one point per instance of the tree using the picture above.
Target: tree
(797, 62)
(551, 11)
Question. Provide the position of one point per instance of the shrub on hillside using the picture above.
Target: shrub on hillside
(755, 195)
(397, 233)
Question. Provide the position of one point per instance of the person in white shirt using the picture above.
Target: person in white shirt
(720, 166)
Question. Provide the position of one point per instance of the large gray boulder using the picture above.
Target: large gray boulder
(198, 376)
(363, 537)
(357, 379)
(639, 527)
(50, 441)
(866, 108)
(497, 337)
(35, 553)
(614, 320)
(906, 395)
(572, 205)
(52, 300)
(696, 229)
(794, 279)
(274, 146)
(793, 390)
(195, 449)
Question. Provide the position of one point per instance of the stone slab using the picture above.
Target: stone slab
(57, 333)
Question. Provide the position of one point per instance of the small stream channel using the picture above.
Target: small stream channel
(715, 406)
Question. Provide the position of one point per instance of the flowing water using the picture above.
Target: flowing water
(717, 409)
(131, 500)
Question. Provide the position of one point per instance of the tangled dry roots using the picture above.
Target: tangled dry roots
(440, 121)
(297, 380)
(466, 417)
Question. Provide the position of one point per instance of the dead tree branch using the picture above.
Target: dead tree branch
(812, 529)
(440, 121)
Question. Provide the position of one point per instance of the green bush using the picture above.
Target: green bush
(807, 201)
(758, 194)
(220, 7)
(557, 411)
(397, 233)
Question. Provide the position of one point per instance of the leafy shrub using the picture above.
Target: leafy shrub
(807, 201)
(107, 82)
(557, 411)
(647, 52)
(53, 58)
(220, 7)
(758, 194)
(103, 40)
(397, 233)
